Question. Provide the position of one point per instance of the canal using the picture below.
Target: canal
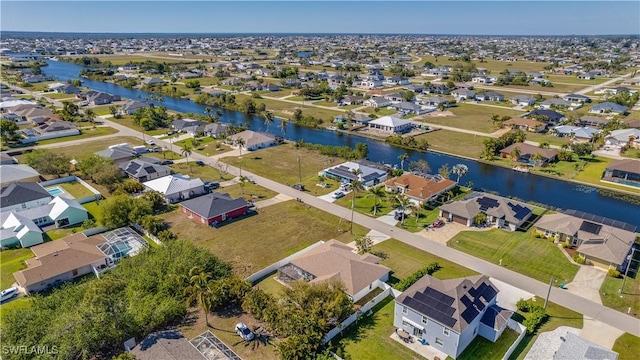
(506, 182)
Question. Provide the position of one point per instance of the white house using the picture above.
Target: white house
(252, 140)
(177, 187)
(345, 173)
(391, 124)
(377, 102)
(19, 196)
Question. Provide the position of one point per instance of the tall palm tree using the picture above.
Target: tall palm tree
(239, 142)
(401, 200)
(268, 119)
(200, 291)
(356, 185)
(243, 182)
(402, 159)
(515, 154)
(377, 193)
(460, 170)
(537, 159)
(186, 151)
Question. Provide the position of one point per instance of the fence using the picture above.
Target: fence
(519, 328)
(387, 290)
(83, 200)
(275, 266)
(145, 232)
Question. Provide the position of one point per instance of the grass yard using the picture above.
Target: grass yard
(450, 142)
(275, 232)
(574, 80)
(206, 173)
(94, 210)
(59, 96)
(85, 149)
(86, 133)
(127, 121)
(552, 140)
(286, 109)
(627, 346)
(519, 251)
(630, 296)
(75, 189)
(557, 316)
(251, 192)
(380, 112)
(593, 172)
(206, 145)
(326, 103)
(102, 110)
(10, 262)
(471, 117)
(269, 284)
(481, 348)
(20, 302)
(280, 163)
(495, 66)
(369, 339)
(405, 260)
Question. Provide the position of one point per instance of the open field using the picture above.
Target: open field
(81, 150)
(275, 232)
(495, 66)
(86, 133)
(124, 59)
(10, 262)
(454, 142)
(127, 121)
(280, 163)
(380, 112)
(519, 251)
(405, 260)
(59, 96)
(277, 107)
(471, 117)
(574, 80)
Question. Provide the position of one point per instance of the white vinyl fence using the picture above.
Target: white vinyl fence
(275, 266)
(519, 328)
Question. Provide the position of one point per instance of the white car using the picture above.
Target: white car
(337, 195)
(8, 293)
(151, 142)
(244, 332)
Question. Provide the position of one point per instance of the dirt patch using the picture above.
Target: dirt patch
(440, 114)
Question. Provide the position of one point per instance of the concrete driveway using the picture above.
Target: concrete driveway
(447, 232)
(509, 294)
(587, 283)
(329, 197)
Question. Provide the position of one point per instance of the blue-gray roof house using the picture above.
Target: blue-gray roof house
(345, 173)
(608, 108)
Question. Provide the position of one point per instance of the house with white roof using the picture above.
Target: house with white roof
(578, 134)
(391, 124)
(252, 140)
(176, 187)
(624, 137)
(345, 173)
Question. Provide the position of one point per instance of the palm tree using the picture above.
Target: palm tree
(243, 182)
(207, 111)
(402, 159)
(356, 185)
(537, 159)
(90, 115)
(239, 142)
(268, 119)
(186, 151)
(402, 201)
(515, 154)
(283, 127)
(200, 291)
(460, 170)
(377, 193)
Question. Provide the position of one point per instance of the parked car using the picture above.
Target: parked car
(155, 149)
(211, 185)
(171, 133)
(438, 224)
(298, 187)
(200, 162)
(337, 195)
(151, 142)
(166, 162)
(345, 187)
(244, 332)
(8, 293)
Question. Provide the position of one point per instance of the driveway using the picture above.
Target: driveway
(329, 197)
(600, 333)
(274, 200)
(447, 232)
(587, 283)
(509, 294)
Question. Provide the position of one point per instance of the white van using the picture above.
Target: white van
(8, 293)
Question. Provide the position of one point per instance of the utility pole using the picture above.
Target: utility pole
(630, 259)
(548, 292)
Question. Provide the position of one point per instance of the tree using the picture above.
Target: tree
(115, 211)
(364, 244)
(515, 154)
(268, 119)
(48, 162)
(90, 115)
(297, 115)
(378, 193)
(480, 218)
(401, 201)
(537, 159)
(239, 142)
(199, 291)
(186, 150)
(444, 171)
(402, 159)
(70, 111)
(8, 130)
(582, 149)
(356, 185)
(157, 201)
(460, 170)
(421, 166)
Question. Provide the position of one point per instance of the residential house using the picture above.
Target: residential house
(586, 76)
(625, 171)
(33, 79)
(20, 196)
(577, 134)
(74, 256)
(548, 116)
(120, 154)
(602, 242)
(352, 100)
(270, 87)
(624, 137)
(416, 88)
(67, 89)
(397, 80)
(555, 104)
(523, 100)
(6, 159)
(391, 124)
(31, 113)
(481, 79)
(336, 80)
(577, 98)
(377, 102)
(501, 212)
(531, 125)
(169, 344)
(420, 188)
(490, 96)
(449, 314)
(152, 81)
(252, 140)
(592, 121)
(527, 152)
(215, 130)
(23, 225)
(131, 106)
(394, 97)
(190, 126)
(435, 101)
(49, 130)
(18, 173)
(572, 346)
(436, 89)
(633, 81)
(608, 108)
(356, 118)
(176, 188)
(335, 261)
(371, 83)
(100, 98)
(463, 94)
(616, 90)
(142, 171)
(406, 107)
(214, 208)
(344, 172)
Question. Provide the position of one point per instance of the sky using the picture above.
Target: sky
(413, 17)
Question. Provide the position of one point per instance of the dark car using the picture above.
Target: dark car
(298, 187)
(166, 162)
(211, 185)
(200, 162)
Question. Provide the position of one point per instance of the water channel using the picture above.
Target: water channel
(504, 181)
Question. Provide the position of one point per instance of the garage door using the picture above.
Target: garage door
(599, 263)
(460, 220)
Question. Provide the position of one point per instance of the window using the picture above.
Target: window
(425, 320)
(445, 331)
(404, 309)
(370, 286)
(439, 341)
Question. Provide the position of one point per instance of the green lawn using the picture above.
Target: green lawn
(519, 251)
(326, 103)
(59, 96)
(592, 173)
(251, 192)
(557, 316)
(627, 346)
(269, 285)
(94, 210)
(481, 348)
(630, 296)
(574, 80)
(405, 260)
(127, 121)
(280, 163)
(471, 117)
(20, 302)
(85, 149)
(75, 189)
(257, 241)
(450, 142)
(206, 145)
(10, 262)
(286, 109)
(552, 140)
(369, 339)
(86, 133)
(205, 173)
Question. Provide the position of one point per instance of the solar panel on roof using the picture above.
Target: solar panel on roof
(150, 169)
(469, 314)
(429, 311)
(519, 211)
(466, 301)
(439, 306)
(602, 220)
(439, 296)
(487, 202)
(590, 227)
(489, 293)
(479, 304)
(133, 167)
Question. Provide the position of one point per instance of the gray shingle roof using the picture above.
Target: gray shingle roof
(18, 193)
(214, 204)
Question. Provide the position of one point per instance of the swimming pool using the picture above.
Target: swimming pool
(55, 191)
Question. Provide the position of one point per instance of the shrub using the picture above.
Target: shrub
(565, 245)
(533, 321)
(613, 273)
(404, 284)
(579, 259)
(537, 235)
